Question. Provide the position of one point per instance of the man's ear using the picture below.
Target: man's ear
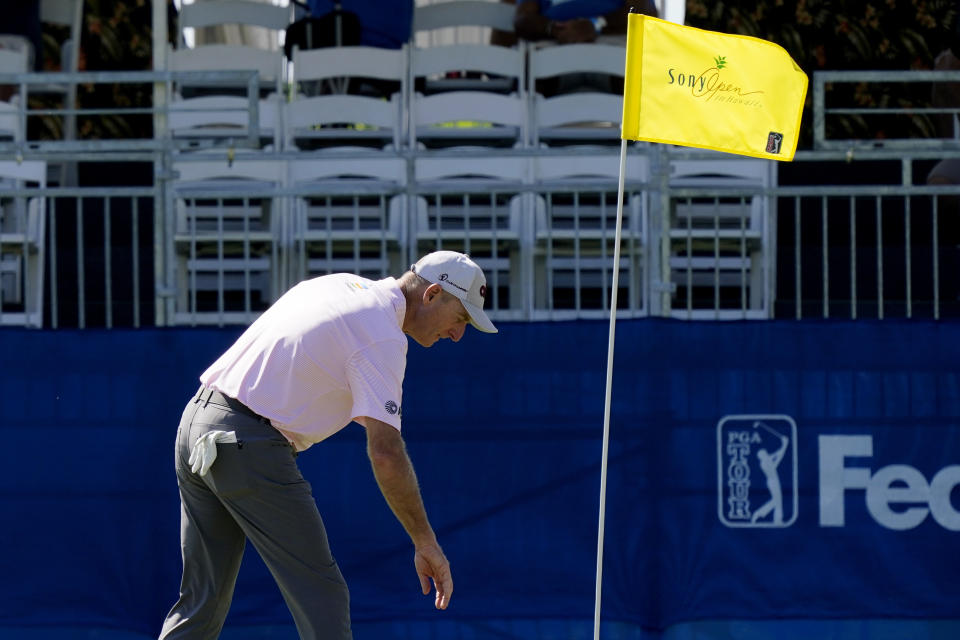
(431, 293)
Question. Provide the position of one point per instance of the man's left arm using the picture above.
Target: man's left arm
(397, 480)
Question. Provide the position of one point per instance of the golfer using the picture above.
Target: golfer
(330, 351)
(768, 464)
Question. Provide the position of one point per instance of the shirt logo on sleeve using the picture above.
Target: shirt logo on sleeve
(353, 286)
(391, 407)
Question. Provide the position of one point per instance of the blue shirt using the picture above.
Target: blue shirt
(384, 23)
(570, 9)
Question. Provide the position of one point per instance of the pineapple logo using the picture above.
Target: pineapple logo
(711, 85)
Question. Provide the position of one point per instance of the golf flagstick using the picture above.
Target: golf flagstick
(770, 129)
(606, 402)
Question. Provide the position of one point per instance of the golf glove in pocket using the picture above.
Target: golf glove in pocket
(205, 450)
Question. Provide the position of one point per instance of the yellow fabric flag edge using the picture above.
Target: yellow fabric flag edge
(631, 99)
(632, 77)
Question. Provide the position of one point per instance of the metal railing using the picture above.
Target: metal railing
(883, 111)
(869, 251)
(38, 94)
(100, 256)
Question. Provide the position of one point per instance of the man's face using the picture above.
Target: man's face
(442, 316)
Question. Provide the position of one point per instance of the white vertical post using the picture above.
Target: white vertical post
(162, 292)
(606, 403)
(672, 10)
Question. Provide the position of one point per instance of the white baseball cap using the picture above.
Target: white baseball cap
(461, 277)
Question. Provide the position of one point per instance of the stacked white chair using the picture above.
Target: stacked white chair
(201, 110)
(476, 206)
(460, 22)
(462, 111)
(229, 236)
(352, 172)
(723, 248)
(463, 154)
(12, 111)
(575, 208)
(467, 117)
(582, 116)
(343, 118)
(231, 221)
(575, 233)
(22, 243)
(345, 214)
(466, 94)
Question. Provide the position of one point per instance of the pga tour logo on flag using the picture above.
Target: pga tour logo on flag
(757, 471)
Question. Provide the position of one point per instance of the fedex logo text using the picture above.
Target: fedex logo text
(895, 484)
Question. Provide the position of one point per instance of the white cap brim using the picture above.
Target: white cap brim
(478, 318)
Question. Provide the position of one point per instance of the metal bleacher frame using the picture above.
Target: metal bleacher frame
(217, 263)
(469, 184)
(676, 200)
(373, 210)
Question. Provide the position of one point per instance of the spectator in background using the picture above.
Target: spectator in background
(383, 23)
(21, 21)
(572, 21)
(387, 24)
(946, 95)
(552, 22)
(20, 31)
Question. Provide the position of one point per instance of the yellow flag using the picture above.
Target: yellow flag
(697, 88)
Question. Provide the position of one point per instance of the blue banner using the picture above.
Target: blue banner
(757, 471)
(787, 471)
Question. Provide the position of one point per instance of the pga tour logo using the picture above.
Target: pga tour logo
(757, 471)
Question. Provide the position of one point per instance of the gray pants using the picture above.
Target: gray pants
(254, 491)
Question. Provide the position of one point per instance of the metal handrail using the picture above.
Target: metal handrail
(821, 110)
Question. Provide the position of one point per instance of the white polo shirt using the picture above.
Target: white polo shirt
(330, 350)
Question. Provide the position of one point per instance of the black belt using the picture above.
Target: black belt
(206, 395)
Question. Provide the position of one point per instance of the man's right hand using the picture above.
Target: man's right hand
(432, 564)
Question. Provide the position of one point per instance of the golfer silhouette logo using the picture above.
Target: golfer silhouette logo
(774, 141)
(757, 471)
(769, 464)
